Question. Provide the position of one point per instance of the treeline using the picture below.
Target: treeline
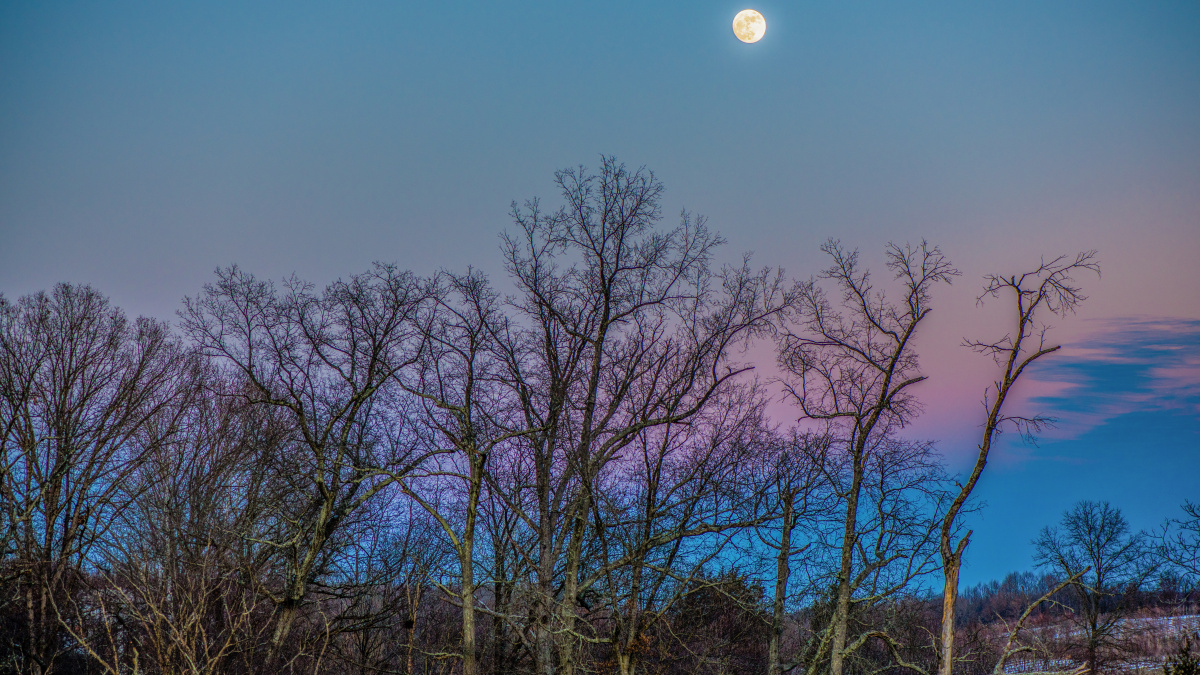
(405, 474)
(1004, 600)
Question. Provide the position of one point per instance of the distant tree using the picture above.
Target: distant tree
(719, 627)
(1051, 288)
(1004, 599)
(1095, 539)
(1181, 545)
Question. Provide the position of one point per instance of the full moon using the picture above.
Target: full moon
(749, 25)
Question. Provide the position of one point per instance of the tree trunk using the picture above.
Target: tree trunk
(467, 560)
(545, 645)
(949, 596)
(35, 630)
(570, 592)
(414, 610)
(841, 612)
(782, 572)
(283, 624)
(499, 639)
(1092, 638)
(544, 603)
(544, 609)
(468, 608)
(629, 629)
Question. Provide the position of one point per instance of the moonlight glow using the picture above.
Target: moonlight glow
(749, 25)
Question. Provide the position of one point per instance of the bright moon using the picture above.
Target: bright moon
(749, 25)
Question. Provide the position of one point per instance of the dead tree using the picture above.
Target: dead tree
(850, 363)
(1052, 289)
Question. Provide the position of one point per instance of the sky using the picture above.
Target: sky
(142, 145)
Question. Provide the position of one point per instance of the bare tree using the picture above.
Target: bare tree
(900, 501)
(327, 362)
(174, 577)
(1012, 644)
(383, 624)
(1051, 288)
(851, 364)
(467, 415)
(624, 328)
(1095, 535)
(1180, 545)
(505, 559)
(680, 492)
(82, 390)
(795, 492)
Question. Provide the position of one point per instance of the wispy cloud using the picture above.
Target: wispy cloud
(1123, 366)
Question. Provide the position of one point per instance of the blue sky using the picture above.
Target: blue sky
(142, 144)
(1127, 401)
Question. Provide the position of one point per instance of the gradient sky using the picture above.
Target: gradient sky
(144, 144)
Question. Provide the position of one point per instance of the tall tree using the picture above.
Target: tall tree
(851, 364)
(624, 328)
(467, 414)
(1052, 289)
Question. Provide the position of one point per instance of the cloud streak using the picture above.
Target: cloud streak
(1125, 366)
